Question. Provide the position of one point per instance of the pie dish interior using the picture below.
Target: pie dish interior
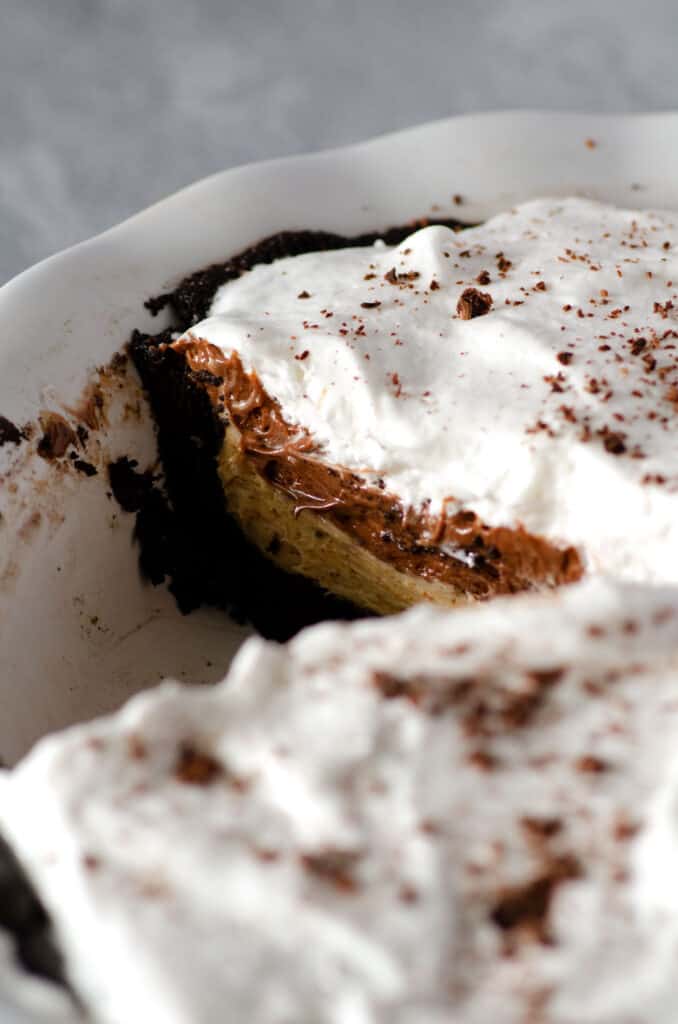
(74, 311)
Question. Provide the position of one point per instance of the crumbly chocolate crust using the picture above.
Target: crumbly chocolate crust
(191, 299)
(186, 536)
(23, 916)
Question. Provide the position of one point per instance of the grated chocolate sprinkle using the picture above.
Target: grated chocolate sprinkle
(473, 303)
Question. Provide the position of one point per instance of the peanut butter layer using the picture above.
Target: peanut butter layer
(459, 551)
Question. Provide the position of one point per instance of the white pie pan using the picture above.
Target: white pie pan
(79, 631)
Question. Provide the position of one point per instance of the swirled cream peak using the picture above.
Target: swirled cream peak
(466, 816)
(526, 369)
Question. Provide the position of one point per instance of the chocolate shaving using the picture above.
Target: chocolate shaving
(590, 764)
(196, 768)
(613, 441)
(394, 687)
(333, 866)
(473, 303)
(393, 277)
(526, 908)
(541, 828)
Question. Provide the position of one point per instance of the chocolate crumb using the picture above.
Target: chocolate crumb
(663, 308)
(434, 285)
(302, 355)
(483, 277)
(370, 305)
(565, 358)
(86, 468)
(9, 433)
(473, 303)
(304, 295)
(457, 199)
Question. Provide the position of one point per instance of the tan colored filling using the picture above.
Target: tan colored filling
(310, 544)
(353, 538)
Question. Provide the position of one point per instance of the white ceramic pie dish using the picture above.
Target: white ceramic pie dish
(79, 632)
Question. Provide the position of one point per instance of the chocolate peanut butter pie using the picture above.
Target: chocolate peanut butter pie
(440, 414)
(438, 817)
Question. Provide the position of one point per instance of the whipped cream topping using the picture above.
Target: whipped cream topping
(433, 817)
(556, 409)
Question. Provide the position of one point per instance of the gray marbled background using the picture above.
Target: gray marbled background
(107, 105)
